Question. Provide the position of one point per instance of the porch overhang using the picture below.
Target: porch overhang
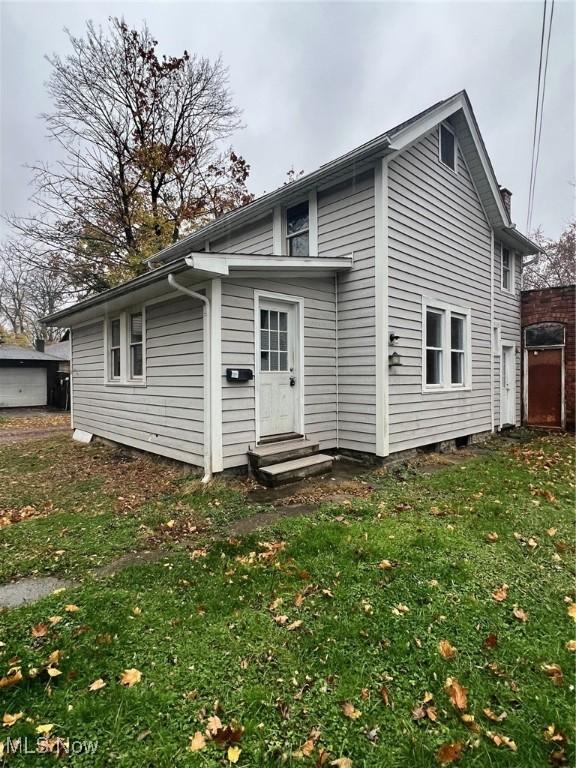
(225, 264)
(193, 270)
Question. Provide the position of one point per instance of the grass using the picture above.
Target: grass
(201, 628)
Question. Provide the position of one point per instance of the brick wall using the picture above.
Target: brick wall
(556, 305)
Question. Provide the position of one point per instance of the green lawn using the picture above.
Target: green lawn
(309, 642)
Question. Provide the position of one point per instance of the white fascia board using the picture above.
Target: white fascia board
(223, 264)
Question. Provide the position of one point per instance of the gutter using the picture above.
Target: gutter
(207, 374)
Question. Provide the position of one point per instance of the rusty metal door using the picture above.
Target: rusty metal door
(545, 387)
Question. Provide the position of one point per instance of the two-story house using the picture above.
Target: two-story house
(372, 306)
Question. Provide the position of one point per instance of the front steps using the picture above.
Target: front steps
(288, 461)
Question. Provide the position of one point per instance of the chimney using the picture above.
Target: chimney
(506, 196)
(39, 344)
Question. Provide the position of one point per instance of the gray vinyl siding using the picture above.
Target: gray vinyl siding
(345, 226)
(507, 313)
(166, 416)
(254, 238)
(440, 247)
(238, 400)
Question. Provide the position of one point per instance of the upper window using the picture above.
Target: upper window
(447, 147)
(298, 230)
(544, 335)
(125, 348)
(507, 270)
(446, 347)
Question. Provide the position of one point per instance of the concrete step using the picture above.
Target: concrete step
(285, 450)
(296, 469)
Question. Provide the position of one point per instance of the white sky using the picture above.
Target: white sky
(316, 79)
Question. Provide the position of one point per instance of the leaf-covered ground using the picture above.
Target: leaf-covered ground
(430, 623)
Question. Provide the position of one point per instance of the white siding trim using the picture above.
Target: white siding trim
(216, 373)
(277, 234)
(298, 302)
(337, 371)
(71, 380)
(381, 301)
(492, 329)
(313, 223)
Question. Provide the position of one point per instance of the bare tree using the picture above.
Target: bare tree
(28, 293)
(556, 265)
(141, 139)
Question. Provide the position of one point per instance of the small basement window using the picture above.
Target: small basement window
(447, 147)
(298, 230)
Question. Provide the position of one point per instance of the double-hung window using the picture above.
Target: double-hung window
(298, 230)
(446, 347)
(507, 270)
(125, 348)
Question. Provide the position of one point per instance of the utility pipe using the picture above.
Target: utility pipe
(207, 374)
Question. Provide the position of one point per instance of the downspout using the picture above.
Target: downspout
(207, 374)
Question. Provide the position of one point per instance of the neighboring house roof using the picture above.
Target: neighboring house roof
(456, 108)
(59, 349)
(16, 353)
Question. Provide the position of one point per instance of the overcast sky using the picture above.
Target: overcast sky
(316, 79)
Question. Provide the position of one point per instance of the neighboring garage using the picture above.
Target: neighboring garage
(26, 376)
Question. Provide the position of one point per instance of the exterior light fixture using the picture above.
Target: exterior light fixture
(393, 338)
(394, 360)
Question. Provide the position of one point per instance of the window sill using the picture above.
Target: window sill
(427, 390)
(449, 167)
(114, 383)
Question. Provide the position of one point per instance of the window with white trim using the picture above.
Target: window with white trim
(125, 361)
(447, 148)
(446, 347)
(298, 230)
(507, 270)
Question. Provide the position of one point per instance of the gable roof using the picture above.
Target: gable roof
(457, 108)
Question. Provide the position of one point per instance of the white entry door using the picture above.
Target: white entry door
(278, 381)
(508, 386)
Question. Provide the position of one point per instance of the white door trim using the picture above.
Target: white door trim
(298, 303)
(508, 345)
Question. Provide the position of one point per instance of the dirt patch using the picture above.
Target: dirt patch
(132, 558)
(264, 519)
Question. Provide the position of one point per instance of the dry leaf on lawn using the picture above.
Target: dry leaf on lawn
(97, 685)
(14, 676)
(342, 762)
(571, 645)
(450, 753)
(501, 593)
(447, 651)
(457, 693)
(492, 537)
(71, 608)
(493, 716)
(214, 725)
(502, 741)
(554, 672)
(233, 754)
(385, 695)
(490, 641)
(348, 710)
(53, 672)
(294, 625)
(197, 742)
(8, 720)
(44, 728)
(385, 565)
(572, 611)
(519, 614)
(130, 677)
(40, 630)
